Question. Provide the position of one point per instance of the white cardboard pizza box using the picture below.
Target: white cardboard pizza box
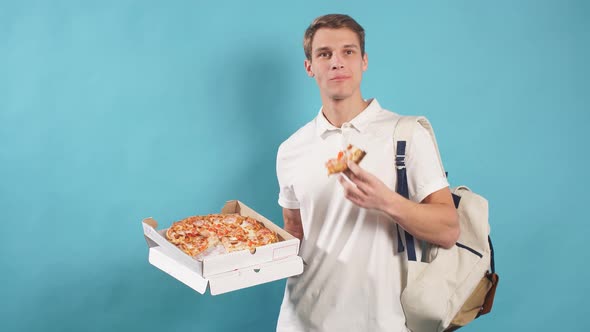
(230, 271)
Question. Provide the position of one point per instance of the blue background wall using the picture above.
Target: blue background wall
(113, 111)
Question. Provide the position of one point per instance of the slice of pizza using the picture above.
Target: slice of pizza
(265, 236)
(338, 164)
(193, 246)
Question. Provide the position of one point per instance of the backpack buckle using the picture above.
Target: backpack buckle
(400, 161)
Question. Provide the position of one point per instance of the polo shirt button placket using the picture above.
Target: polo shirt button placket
(345, 130)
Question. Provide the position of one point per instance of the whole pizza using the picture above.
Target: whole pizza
(200, 236)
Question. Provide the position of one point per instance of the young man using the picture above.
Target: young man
(346, 223)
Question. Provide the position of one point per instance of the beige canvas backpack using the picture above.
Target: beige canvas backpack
(445, 288)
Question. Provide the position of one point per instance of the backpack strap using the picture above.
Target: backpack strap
(402, 139)
(404, 131)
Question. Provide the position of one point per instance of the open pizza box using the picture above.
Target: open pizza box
(231, 271)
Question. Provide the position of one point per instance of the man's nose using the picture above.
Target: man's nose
(337, 62)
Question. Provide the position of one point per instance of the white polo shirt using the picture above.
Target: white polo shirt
(352, 278)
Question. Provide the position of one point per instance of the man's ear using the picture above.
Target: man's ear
(365, 62)
(307, 65)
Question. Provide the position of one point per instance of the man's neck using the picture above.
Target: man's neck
(338, 112)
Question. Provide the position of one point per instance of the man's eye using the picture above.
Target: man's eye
(349, 52)
(323, 55)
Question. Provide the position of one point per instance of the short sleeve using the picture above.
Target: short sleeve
(287, 198)
(425, 174)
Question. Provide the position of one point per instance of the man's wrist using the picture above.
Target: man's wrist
(390, 204)
(398, 207)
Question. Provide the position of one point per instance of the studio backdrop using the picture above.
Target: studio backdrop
(113, 111)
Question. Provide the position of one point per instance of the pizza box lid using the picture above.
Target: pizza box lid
(287, 247)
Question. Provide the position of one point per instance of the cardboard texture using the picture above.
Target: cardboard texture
(227, 272)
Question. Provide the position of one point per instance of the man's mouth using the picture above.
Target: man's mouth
(339, 78)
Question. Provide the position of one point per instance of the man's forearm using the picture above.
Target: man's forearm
(432, 222)
(293, 223)
(295, 231)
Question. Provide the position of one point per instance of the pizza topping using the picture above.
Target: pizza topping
(200, 236)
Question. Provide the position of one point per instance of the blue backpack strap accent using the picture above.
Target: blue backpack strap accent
(402, 189)
(456, 200)
(492, 264)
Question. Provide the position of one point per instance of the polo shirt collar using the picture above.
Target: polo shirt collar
(359, 122)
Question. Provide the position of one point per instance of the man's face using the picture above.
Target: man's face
(336, 63)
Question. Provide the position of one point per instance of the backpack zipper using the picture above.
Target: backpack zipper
(470, 249)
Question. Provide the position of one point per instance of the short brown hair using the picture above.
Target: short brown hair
(332, 21)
